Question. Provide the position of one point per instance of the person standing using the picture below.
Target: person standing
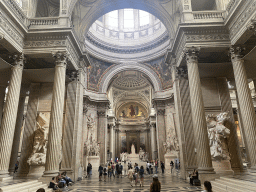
(130, 175)
(105, 173)
(156, 166)
(141, 172)
(171, 164)
(155, 185)
(147, 167)
(100, 170)
(162, 167)
(109, 170)
(121, 169)
(117, 170)
(207, 186)
(151, 167)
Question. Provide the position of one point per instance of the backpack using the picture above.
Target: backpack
(141, 171)
(137, 169)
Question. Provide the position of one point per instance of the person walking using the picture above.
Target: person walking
(105, 173)
(100, 170)
(109, 170)
(121, 169)
(130, 175)
(141, 172)
(117, 170)
(155, 185)
(162, 167)
(147, 167)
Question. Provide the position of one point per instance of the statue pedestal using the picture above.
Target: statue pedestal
(168, 157)
(95, 161)
(36, 171)
(222, 167)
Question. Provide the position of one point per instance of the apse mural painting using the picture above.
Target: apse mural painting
(132, 110)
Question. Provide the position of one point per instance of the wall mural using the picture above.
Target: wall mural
(163, 71)
(123, 144)
(97, 69)
(132, 111)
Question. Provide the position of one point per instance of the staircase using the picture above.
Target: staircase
(225, 184)
(26, 186)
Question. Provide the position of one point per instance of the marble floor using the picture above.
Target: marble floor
(169, 184)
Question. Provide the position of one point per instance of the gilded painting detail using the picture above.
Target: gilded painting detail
(132, 111)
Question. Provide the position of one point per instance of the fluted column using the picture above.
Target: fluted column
(245, 104)
(10, 114)
(2, 96)
(56, 119)
(198, 113)
(153, 139)
(17, 133)
(111, 139)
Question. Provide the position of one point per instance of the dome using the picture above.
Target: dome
(127, 34)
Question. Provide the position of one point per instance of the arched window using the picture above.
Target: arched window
(144, 18)
(128, 19)
(113, 19)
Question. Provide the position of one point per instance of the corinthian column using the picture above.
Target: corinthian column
(153, 139)
(245, 104)
(198, 114)
(111, 139)
(10, 115)
(56, 119)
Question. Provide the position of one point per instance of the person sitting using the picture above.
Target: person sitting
(207, 186)
(53, 185)
(62, 183)
(66, 178)
(155, 185)
(40, 190)
(193, 176)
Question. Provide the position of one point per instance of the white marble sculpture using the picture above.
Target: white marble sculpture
(133, 149)
(171, 145)
(218, 134)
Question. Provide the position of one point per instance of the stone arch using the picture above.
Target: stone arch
(150, 74)
(101, 7)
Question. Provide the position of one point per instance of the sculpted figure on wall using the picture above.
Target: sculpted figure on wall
(171, 145)
(38, 155)
(218, 135)
(91, 128)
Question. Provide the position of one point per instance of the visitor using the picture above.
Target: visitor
(113, 169)
(117, 170)
(156, 166)
(121, 169)
(207, 186)
(109, 170)
(105, 173)
(162, 167)
(193, 176)
(40, 190)
(136, 168)
(62, 183)
(155, 185)
(130, 175)
(141, 172)
(151, 167)
(147, 167)
(16, 166)
(89, 170)
(58, 178)
(53, 184)
(100, 170)
(171, 164)
(66, 178)
(135, 177)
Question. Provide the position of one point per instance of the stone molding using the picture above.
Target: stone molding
(236, 52)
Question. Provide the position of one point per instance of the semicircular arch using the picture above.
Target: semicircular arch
(147, 71)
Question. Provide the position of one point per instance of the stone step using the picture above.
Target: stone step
(29, 186)
(217, 188)
(232, 186)
(237, 181)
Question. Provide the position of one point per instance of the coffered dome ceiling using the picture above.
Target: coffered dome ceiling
(127, 34)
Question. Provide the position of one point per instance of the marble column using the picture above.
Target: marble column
(198, 113)
(2, 96)
(121, 19)
(10, 114)
(29, 128)
(111, 140)
(17, 133)
(136, 19)
(245, 104)
(102, 132)
(72, 133)
(56, 119)
(153, 139)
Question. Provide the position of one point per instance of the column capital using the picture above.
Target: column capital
(160, 111)
(60, 58)
(252, 26)
(73, 75)
(18, 59)
(101, 113)
(191, 54)
(236, 52)
(181, 72)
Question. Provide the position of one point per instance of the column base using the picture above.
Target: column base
(208, 177)
(206, 170)
(53, 173)
(5, 176)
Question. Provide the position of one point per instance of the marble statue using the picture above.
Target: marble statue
(171, 145)
(92, 148)
(91, 128)
(132, 149)
(218, 134)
